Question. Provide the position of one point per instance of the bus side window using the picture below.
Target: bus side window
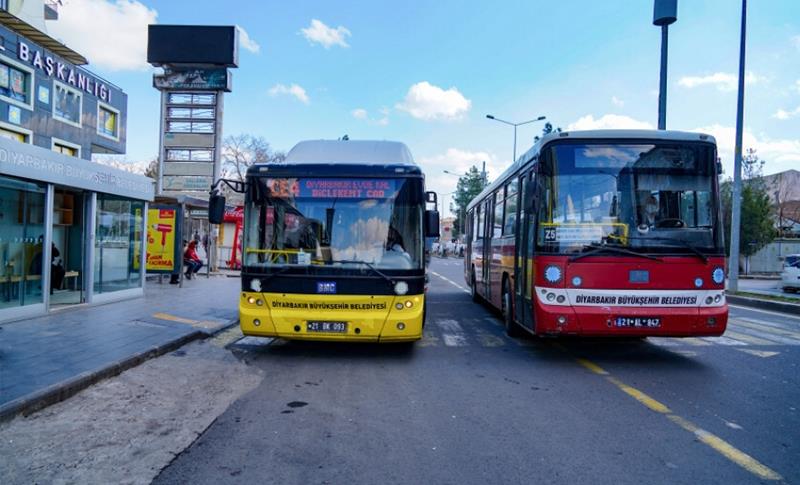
(479, 225)
(510, 222)
(499, 203)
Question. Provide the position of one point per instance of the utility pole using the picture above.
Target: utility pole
(664, 14)
(736, 212)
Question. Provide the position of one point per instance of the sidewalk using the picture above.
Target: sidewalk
(48, 359)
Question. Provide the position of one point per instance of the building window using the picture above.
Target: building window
(66, 148)
(67, 104)
(16, 83)
(107, 121)
(190, 127)
(191, 113)
(192, 98)
(189, 155)
(118, 243)
(15, 133)
(21, 242)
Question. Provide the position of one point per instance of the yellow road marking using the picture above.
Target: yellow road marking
(173, 318)
(759, 353)
(714, 442)
(748, 338)
(725, 449)
(589, 365)
(640, 396)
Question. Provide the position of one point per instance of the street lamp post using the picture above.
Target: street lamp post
(664, 14)
(736, 209)
(515, 125)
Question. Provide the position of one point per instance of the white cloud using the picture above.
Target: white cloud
(292, 90)
(723, 81)
(785, 115)
(359, 113)
(780, 154)
(319, 33)
(116, 37)
(617, 102)
(428, 102)
(609, 122)
(459, 162)
(362, 114)
(246, 42)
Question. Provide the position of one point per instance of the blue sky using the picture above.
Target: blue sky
(427, 73)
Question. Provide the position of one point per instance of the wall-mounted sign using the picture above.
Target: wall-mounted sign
(191, 183)
(14, 115)
(200, 79)
(63, 72)
(44, 94)
(163, 234)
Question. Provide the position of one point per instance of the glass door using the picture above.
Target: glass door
(67, 268)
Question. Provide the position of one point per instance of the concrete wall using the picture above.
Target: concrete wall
(770, 258)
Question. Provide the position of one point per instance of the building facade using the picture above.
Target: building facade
(71, 231)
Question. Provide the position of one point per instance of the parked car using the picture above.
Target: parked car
(790, 278)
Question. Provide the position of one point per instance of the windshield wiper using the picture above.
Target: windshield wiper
(599, 248)
(684, 242)
(367, 264)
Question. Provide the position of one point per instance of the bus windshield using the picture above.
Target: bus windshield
(647, 197)
(345, 222)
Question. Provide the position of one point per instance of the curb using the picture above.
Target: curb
(62, 391)
(775, 306)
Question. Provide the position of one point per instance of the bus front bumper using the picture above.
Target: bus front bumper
(366, 318)
(622, 321)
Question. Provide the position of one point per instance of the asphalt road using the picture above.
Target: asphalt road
(469, 405)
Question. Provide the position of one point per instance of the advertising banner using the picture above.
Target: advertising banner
(163, 239)
(200, 79)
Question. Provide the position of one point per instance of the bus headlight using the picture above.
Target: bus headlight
(401, 287)
(718, 275)
(398, 305)
(552, 274)
(251, 300)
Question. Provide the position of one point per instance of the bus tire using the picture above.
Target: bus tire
(513, 330)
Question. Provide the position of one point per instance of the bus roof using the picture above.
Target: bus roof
(343, 158)
(593, 135)
(373, 152)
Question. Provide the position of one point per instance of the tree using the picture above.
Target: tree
(239, 152)
(756, 219)
(548, 128)
(469, 186)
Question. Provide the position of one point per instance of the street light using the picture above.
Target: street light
(664, 14)
(515, 125)
(736, 202)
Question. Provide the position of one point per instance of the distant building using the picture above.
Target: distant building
(71, 231)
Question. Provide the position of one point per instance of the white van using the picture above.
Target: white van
(790, 278)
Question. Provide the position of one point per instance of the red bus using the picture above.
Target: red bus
(603, 233)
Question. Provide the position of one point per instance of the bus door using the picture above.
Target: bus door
(486, 256)
(523, 260)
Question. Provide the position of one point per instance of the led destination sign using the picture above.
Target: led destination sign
(332, 188)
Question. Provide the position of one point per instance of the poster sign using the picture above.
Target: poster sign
(201, 79)
(163, 239)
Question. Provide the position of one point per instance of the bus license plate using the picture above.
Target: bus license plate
(647, 322)
(327, 327)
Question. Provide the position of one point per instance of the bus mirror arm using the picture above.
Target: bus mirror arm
(431, 223)
(216, 201)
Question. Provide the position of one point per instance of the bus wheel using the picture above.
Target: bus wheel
(512, 329)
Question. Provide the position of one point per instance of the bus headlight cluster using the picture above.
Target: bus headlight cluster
(401, 287)
(714, 299)
(255, 301)
(552, 274)
(553, 298)
(400, 305)
(718, 275)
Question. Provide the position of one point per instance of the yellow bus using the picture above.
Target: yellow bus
(334, 243)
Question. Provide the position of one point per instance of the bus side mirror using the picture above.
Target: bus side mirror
(431, 223)
(216, 209)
